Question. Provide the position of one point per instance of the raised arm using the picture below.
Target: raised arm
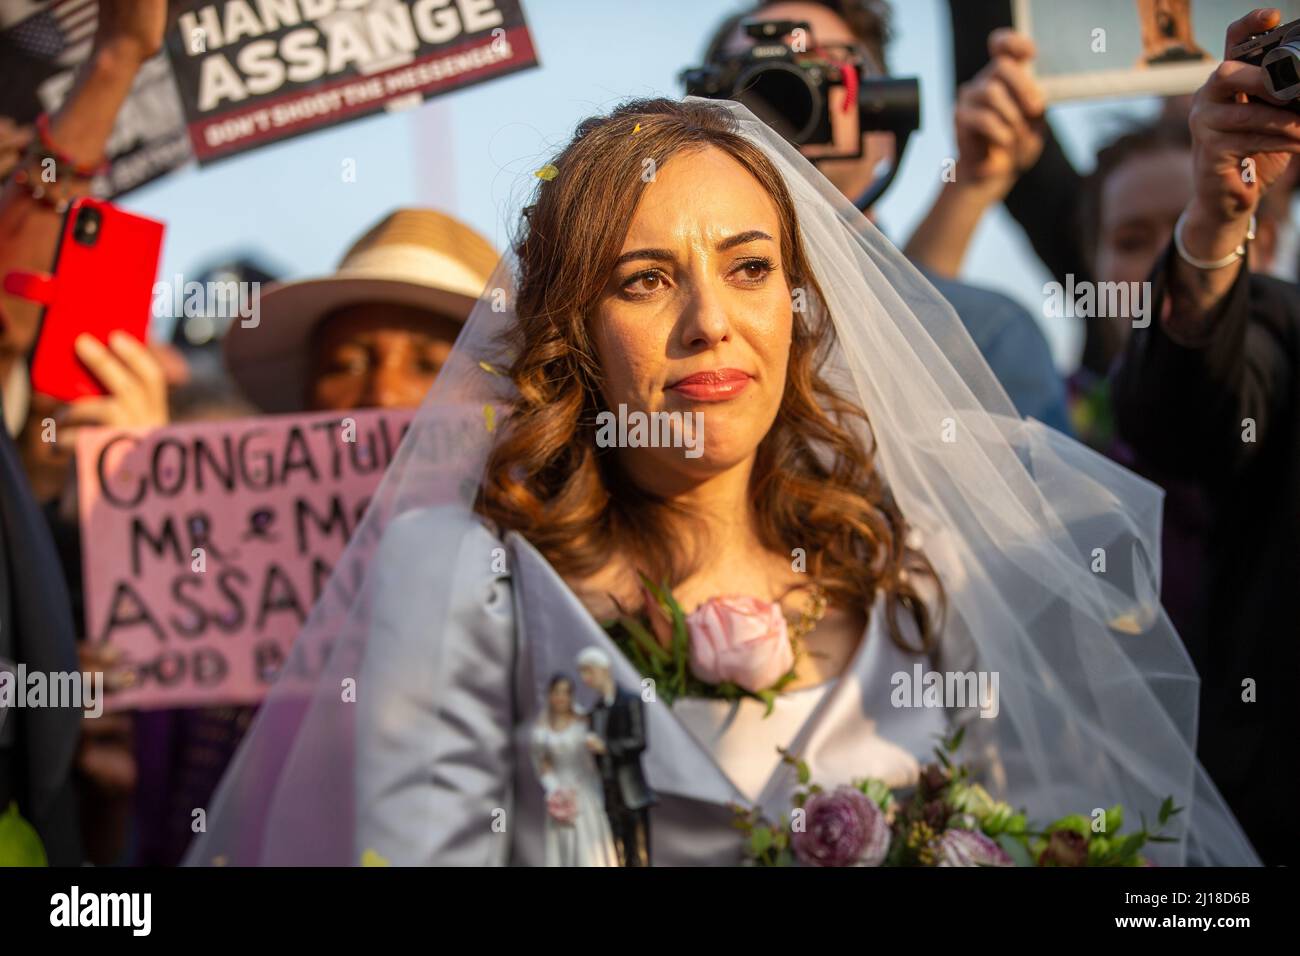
(1199, 390)
(130, 31)
(999, 120)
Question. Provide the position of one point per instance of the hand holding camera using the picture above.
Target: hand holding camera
(1245, 131)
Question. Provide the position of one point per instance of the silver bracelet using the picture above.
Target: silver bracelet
(1227, 260)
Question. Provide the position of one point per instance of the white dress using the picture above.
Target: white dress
(743, 737)
(563, 762)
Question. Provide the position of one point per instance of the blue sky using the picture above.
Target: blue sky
(473, 153)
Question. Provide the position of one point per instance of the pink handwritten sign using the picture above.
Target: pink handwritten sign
(206, 544)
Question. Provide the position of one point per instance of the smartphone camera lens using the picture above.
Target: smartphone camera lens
(86, 228)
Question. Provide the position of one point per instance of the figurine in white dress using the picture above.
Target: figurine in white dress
(577, 830)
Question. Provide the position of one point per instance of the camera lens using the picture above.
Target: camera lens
(780, 95)
(1282, 70)
(86, 229)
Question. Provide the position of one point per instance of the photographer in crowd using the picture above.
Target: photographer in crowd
(1211, 391)
(854, 33)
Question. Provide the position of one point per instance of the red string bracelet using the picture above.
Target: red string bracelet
(83, 170)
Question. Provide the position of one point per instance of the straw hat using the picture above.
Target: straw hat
(415, 257)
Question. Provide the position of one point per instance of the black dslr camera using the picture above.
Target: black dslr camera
(788, 84)
(1278, 52)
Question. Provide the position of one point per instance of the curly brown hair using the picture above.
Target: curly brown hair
(814, 480)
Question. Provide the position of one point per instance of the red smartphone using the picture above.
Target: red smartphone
(103, 281)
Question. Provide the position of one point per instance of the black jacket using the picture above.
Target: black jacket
(622, 726)
(37, 744)
(1192, 411)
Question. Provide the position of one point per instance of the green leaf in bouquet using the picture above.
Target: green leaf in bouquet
(878, 792)
(664, 596)
(768, 697)
(727, 690)
(639, 660)
(1099, 848)
(1130, 846)
(897, 850)
(782, 837)
(1076, 822)
(644, 640)
(801, 768)
(680, 651)
(760, 841)
(20, 845)
(955, 741)
(1016, 849)
(1168, 810)
(660, 592)
(1115, 819)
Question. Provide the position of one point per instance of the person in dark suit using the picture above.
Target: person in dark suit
(617, 741)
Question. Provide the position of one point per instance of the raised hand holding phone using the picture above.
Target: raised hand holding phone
(133, 376)
(90, 351)
(102, 282)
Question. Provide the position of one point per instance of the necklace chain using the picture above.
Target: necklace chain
(811, 614)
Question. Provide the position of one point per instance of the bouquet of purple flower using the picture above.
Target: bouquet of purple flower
(946, 820)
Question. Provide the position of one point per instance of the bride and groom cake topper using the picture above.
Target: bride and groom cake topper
(597, 799)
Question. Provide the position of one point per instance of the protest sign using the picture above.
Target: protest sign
(42, 45)
(1129, 47)
(205, 545)
(251, 73)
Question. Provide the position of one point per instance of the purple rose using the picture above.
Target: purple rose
(842, 828)
(959, 847)
(1065, 848)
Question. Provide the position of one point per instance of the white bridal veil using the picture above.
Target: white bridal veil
(1049, 554)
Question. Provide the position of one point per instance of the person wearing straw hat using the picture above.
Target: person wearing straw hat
(375, 333)
(372, 335)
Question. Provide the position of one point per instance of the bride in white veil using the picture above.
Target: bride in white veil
(936, 527)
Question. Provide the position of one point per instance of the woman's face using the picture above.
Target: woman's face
(561, 697)
(1140, 202)
(697, 316)
(377, 355)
